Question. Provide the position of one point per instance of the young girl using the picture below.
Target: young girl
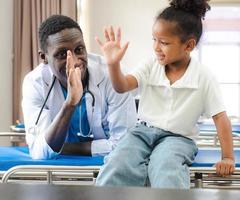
(175, 91)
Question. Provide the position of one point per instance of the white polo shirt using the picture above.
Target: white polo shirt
(177, 107)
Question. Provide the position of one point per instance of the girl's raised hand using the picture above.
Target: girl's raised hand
(112, 50)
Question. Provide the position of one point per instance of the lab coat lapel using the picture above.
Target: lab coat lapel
(56, 98)
(96, 77)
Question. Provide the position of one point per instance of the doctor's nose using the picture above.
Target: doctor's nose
(77, 60)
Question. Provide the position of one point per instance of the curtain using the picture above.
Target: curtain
(28, 15)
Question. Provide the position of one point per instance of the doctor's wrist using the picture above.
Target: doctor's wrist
(69, 105)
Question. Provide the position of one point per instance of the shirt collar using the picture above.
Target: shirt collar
(190, 77)
(47, 74)
(188, 80)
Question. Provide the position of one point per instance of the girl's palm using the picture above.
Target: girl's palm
(112, 52)
(112, 49)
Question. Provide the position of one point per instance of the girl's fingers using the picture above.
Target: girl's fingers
(124, 48)
(232, 169)
(112, 34)
(227, 170)
(118, 35)
(106, 35)
(217, 168)
(98, 41)
(224, 169)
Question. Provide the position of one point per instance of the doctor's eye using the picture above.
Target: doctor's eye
(79, 50)
(61, 54)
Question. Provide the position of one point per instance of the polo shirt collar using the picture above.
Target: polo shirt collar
(190, 77)
(188, 80)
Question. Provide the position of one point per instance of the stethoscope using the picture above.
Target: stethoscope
(89, 134)
(45, 101)
(87, 91)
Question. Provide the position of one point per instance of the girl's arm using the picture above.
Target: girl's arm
(227, 165)
(113, 53)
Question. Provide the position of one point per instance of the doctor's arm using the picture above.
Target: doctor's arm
(56, 133)
(50, 135)
(38, 137)
(227, 165)
(77, 148)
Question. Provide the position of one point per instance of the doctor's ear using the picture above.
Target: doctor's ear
(43, 57)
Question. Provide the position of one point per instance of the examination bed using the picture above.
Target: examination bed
(17, 166)
(208, 135)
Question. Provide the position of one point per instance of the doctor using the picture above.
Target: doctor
(69, 105)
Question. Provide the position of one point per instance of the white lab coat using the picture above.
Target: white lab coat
(113, 113)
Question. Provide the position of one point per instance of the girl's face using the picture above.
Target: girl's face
(168, 47)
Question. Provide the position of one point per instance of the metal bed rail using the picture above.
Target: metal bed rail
(16, 138)
(51, 174)
(201, 177)
(206, 177)
(210, 139)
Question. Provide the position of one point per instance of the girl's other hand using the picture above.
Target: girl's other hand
(225, 167)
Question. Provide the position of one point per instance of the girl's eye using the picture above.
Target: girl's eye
(164, 43)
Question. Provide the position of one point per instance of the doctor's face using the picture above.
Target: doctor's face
(57, 46)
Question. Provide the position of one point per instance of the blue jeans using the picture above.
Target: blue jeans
(149, 154)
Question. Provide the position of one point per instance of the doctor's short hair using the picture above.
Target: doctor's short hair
(52, 25)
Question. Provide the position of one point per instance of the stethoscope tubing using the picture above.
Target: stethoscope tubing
(45, 101)
(49, 91)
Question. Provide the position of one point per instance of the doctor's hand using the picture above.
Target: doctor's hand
(74, 83)
(225, 167)
(112, 50)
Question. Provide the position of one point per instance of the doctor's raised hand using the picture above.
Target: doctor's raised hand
(74, 83)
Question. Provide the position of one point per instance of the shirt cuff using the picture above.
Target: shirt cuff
(101, 147)
(41, 150)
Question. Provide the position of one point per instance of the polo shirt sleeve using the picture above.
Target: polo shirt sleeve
(213, 101)
(141, 73)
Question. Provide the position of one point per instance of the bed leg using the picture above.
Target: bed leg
(198, 180)
(95, 174)
(49, 177)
